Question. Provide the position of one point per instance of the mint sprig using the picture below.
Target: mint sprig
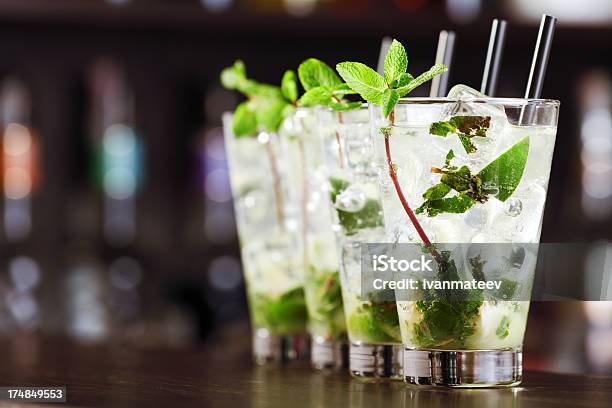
(266, 106)
(498, 179)
(323, 87)
(385, 91)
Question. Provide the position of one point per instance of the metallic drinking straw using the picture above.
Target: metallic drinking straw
(495, 51)
(444, 55)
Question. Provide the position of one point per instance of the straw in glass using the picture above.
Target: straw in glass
(494, 57)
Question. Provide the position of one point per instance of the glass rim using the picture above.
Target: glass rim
(486, 99)
(364, 105)
(425, 100)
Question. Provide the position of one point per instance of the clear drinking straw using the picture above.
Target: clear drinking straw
(384, 47)
(444, 55)
(538, 64)
(540, 56)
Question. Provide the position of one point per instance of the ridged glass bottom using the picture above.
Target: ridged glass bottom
(268, 348)
(375, 362)
(329, 355)
(468, 368)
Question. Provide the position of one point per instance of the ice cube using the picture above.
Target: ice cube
(476, 217)
(352, 199)
(359, 157)
(464, 107)
(523, 225)
(514, 206)
(464, 92)
(445, 229)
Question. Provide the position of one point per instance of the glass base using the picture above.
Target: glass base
(466, 368)
(376, 362)
(329, 355)
(269, 348)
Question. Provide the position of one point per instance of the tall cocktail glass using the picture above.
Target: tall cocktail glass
(354, 199)
(271, 258)
(474, 174)
(307, 200)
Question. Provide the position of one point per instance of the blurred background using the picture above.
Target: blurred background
(116, 221)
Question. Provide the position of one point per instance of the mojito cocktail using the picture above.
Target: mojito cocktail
(270, 252)
(475, 171)
(307, 201)
(373, 325)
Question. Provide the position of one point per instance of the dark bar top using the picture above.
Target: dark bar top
(220, 375)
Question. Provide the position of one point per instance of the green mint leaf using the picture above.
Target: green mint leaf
(503, 329)
(321, 96)
(377, 322)
(233, 75)
(271, 114)
(506, 290)
(472, 125)
(336, 186)
(244, 121)
(466, 141)
(323, 87)
(314, 73)
(441, 128)
(455, 205)
(403, 80)
(234, 78)
(421, 79)
(466, 127)
(469, 188)
(477, 266)
(370, 216)
(447, 270)
(265, 92)
(445, 323)
(285, 314)
(289, 87)
(461, 180)
(315, 97)
(328, 294)
(388, 101)
(268, 103)
(396, 62)
(449, 156)
(325, 311)
(504, 174)
(363, 80)
(437, 192)
(342, 89)
(499, 178)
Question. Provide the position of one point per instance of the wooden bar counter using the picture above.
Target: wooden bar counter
(219, 374)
